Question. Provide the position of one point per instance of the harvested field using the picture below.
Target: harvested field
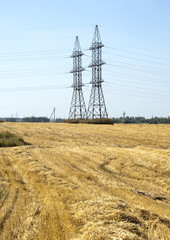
(85, 182)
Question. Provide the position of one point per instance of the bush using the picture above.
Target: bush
(72, 120)
(8, 139)
(91, 121)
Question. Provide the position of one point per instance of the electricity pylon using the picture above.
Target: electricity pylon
(52, 117)
(97, 107)
(77, 108)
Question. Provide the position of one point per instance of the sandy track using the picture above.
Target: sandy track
(85, 182)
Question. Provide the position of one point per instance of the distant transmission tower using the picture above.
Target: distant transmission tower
(124, 116)
(97, 107)
(52, 117)
(77, 108)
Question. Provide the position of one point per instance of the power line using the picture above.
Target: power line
(33, 55)
(32, 70)
(34, 88)
(141, 88)
(130, 90)
(140, 54)
(139, 81)
(138, 59)
(125, 91)
(136, 79)
(139, 70)
(44, 52)
(142, 66)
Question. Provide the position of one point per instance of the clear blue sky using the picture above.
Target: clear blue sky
(37, 38)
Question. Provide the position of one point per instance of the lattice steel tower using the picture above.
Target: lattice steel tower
(97, 107)
(77, 108)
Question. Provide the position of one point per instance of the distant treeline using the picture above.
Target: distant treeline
(153, 120)
(126, 120)
(35, 119)
(32, 119)
(40, 119)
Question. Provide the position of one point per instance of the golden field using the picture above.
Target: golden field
(85, 182)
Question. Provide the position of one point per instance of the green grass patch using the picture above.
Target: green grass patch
(8, 139)
(2, 193)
